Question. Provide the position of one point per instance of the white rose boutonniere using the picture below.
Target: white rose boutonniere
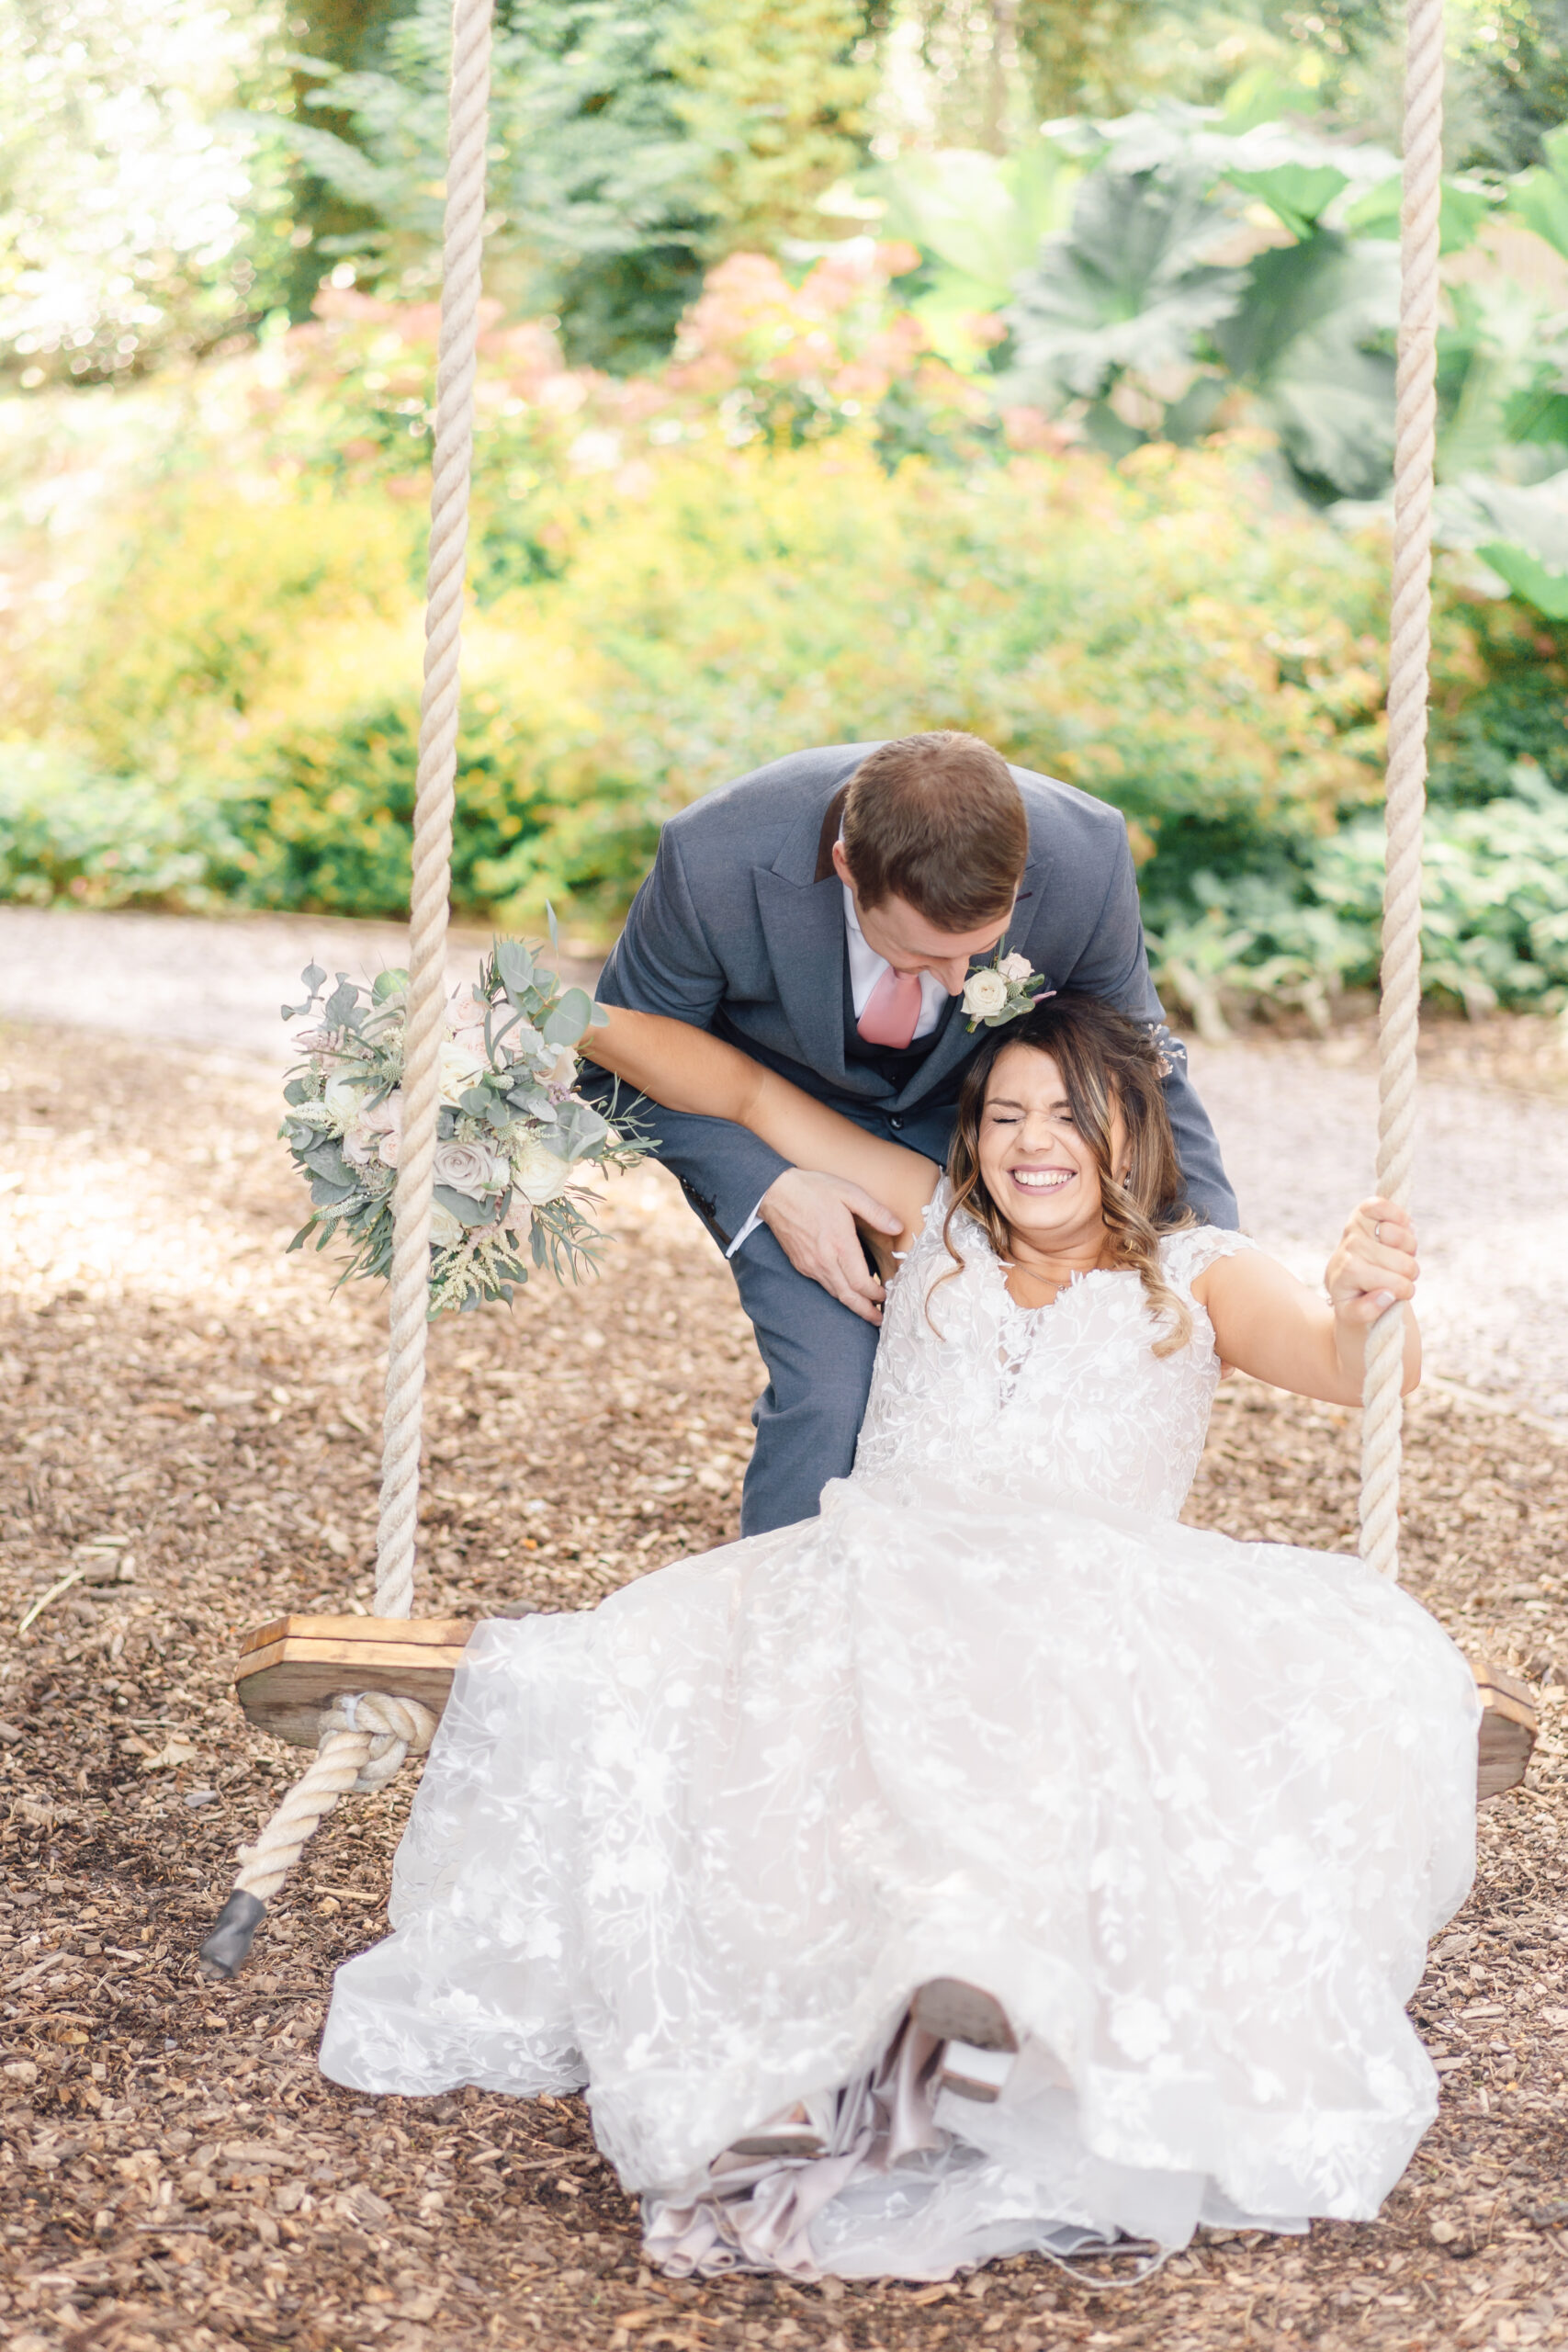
(1002, 989)
(985, 994)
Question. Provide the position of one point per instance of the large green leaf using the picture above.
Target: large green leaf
(1520, 528)
(1460, 213)
(1501, 365)
(1529, 577)
(979, 217)
(1299, 340)
(1541, 197)
(1129, 285)
(1297, 194)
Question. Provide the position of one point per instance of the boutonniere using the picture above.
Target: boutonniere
(1001, 989)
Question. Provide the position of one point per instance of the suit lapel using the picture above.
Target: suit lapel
(803, 923)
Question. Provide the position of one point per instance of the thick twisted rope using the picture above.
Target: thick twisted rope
(453, 452)
(363, 1739)
(1409, 651)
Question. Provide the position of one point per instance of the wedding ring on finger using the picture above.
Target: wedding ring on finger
(1377, 1230)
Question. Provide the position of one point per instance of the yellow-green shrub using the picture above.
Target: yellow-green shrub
(1171, 636)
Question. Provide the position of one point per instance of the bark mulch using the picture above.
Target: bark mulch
(188, 1422)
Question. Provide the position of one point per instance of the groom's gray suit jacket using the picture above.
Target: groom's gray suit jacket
(739, 928)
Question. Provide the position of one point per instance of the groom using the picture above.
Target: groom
(822, 914)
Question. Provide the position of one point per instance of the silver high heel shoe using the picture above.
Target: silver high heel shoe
(979, 2044)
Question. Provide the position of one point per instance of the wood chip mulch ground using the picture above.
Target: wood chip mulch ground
(187, 1432)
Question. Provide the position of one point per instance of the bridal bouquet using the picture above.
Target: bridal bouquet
(510, 1130)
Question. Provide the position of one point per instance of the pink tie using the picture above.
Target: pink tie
(892, 1010)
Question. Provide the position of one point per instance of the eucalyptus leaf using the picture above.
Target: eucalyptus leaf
(297, 1091)
(312, 977)
(390, 982)
(476, 1101)
(514, 964)
(326, 1194)
(458, 1205)
(569, 1019)
(580, 1128)
(342, 1004)
(325, 1158)
(600, 1018)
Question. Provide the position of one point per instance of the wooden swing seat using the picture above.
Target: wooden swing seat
(293, 1667)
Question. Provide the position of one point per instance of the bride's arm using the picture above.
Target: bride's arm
(688, 1069)
(1267, 1323)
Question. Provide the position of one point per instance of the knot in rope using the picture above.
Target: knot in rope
(397, 1727)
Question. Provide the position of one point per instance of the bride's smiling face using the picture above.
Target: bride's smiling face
(1038, 1167)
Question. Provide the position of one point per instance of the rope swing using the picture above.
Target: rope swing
(1410, 633)
(293, 1674)
(364, 1738)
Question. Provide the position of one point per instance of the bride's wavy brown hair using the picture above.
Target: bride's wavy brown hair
(1108, 1064)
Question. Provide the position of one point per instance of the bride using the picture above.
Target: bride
(993, 1864)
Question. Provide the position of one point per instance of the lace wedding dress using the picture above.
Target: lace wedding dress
(1189, 1808)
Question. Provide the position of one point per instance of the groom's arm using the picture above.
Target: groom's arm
(1115, 966)
(665, 962)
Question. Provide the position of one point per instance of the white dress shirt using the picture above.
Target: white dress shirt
(866, 967)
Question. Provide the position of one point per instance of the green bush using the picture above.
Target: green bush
(1495, 923)
(68, 835)
(333, 829)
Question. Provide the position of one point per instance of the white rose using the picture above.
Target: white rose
(564, 1074)
(984, 992)
(461, 1067)
(343, 1096)
(470, 1168)
(445, 1231)
(539, 1175)
(1016, 968)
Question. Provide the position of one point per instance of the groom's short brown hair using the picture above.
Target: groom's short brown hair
(938, 822)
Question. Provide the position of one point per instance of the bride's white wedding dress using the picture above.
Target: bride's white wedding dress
(1190, 1808)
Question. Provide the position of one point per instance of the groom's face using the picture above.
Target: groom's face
(906, 940)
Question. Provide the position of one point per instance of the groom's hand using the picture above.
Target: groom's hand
(813, 1219)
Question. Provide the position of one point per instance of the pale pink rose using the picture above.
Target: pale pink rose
(471, 1168)
(376, 1125)
(362, 1147)
(1016, 968)
(466, 1016)
(386, 1123)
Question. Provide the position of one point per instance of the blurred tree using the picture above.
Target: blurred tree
(774, 92)
(1082, 56)
(136, 222)
(631, 145)
(347, 36)
(1514, 67)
